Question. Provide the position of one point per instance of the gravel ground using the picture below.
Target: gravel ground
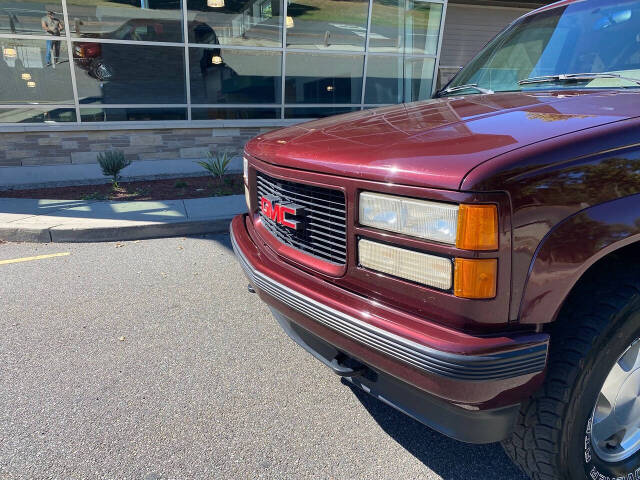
(150, 360)
(165, 189)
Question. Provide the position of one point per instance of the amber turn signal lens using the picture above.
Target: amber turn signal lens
(475, 278)
(477, 227)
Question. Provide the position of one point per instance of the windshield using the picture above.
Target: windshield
(588, 36)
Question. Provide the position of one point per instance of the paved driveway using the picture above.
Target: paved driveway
(149, 360)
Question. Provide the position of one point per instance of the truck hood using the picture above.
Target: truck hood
(437, 142)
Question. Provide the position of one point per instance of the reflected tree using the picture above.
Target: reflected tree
(590, 183)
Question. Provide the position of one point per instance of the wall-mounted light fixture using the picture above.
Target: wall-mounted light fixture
(9, 52)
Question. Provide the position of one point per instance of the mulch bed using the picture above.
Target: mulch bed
(167, 189)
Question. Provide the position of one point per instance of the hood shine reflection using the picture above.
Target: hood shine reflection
(437, 142)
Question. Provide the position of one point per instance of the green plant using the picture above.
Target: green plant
(180, 184)
(216, 164)
(112, 163)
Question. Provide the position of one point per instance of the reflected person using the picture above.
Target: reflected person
(53, 26)
(13, 19)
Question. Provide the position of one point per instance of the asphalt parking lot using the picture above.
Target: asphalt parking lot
(150, 360)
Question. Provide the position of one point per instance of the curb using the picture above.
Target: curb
(114, 234)
(31, 235)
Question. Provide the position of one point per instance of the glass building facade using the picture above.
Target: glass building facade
(84, 61)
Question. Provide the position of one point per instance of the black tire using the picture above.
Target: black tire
(551, 440)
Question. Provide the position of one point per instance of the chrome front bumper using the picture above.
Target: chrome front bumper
(495, 366)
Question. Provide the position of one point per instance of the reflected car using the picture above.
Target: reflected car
(105, 60)
(148, 30)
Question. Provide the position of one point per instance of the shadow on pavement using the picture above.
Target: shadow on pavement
(58, 210)
(450, 459)
(195, 214)
(222, 239)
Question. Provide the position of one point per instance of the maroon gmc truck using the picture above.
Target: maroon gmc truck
(474, 260)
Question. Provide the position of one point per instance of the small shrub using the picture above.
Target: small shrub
(216, 164)
(180, 184)
(112, 163)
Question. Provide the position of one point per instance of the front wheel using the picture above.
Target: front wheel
(585, 421)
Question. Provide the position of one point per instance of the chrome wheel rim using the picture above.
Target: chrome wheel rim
(615, 428)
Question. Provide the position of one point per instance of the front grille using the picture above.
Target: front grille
(324, 233)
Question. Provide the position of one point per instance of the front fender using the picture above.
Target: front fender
(570, 248)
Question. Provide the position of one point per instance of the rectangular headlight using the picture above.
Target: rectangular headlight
(417, 267)
(408, 216)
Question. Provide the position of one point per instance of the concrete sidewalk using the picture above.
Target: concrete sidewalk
(33, 220)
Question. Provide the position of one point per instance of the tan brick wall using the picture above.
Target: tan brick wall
(69, 147)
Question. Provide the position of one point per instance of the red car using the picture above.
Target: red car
(100, 61)
(472, 260)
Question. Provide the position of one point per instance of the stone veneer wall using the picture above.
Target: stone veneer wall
(22, 149)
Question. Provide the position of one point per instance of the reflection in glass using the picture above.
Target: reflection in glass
(418, 81)
(236, 22)
(398, 79)
(319, 78)
(136, 20)
(385, 82)
(316, 112)
(235, 76)
(234, 113)
(338, 24)
(112, 73)
(574, 39)
(422, 27)
(130, 73)
(387, 26)
(412, 27)
(37, 115)
(31, 18)
(26, 77)
(132, 114)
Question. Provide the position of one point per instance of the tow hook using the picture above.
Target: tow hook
(347, 367)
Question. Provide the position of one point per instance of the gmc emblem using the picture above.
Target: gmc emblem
(278, 211)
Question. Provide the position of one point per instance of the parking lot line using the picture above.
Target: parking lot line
(29, 259)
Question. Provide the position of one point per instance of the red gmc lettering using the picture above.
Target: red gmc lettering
(282, 219)
(268, 209)
(277, 212)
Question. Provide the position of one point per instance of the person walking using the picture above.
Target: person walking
(53, 26)
(13, 19)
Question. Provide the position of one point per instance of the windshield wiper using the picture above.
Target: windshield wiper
(574, 77)
(470, 86)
